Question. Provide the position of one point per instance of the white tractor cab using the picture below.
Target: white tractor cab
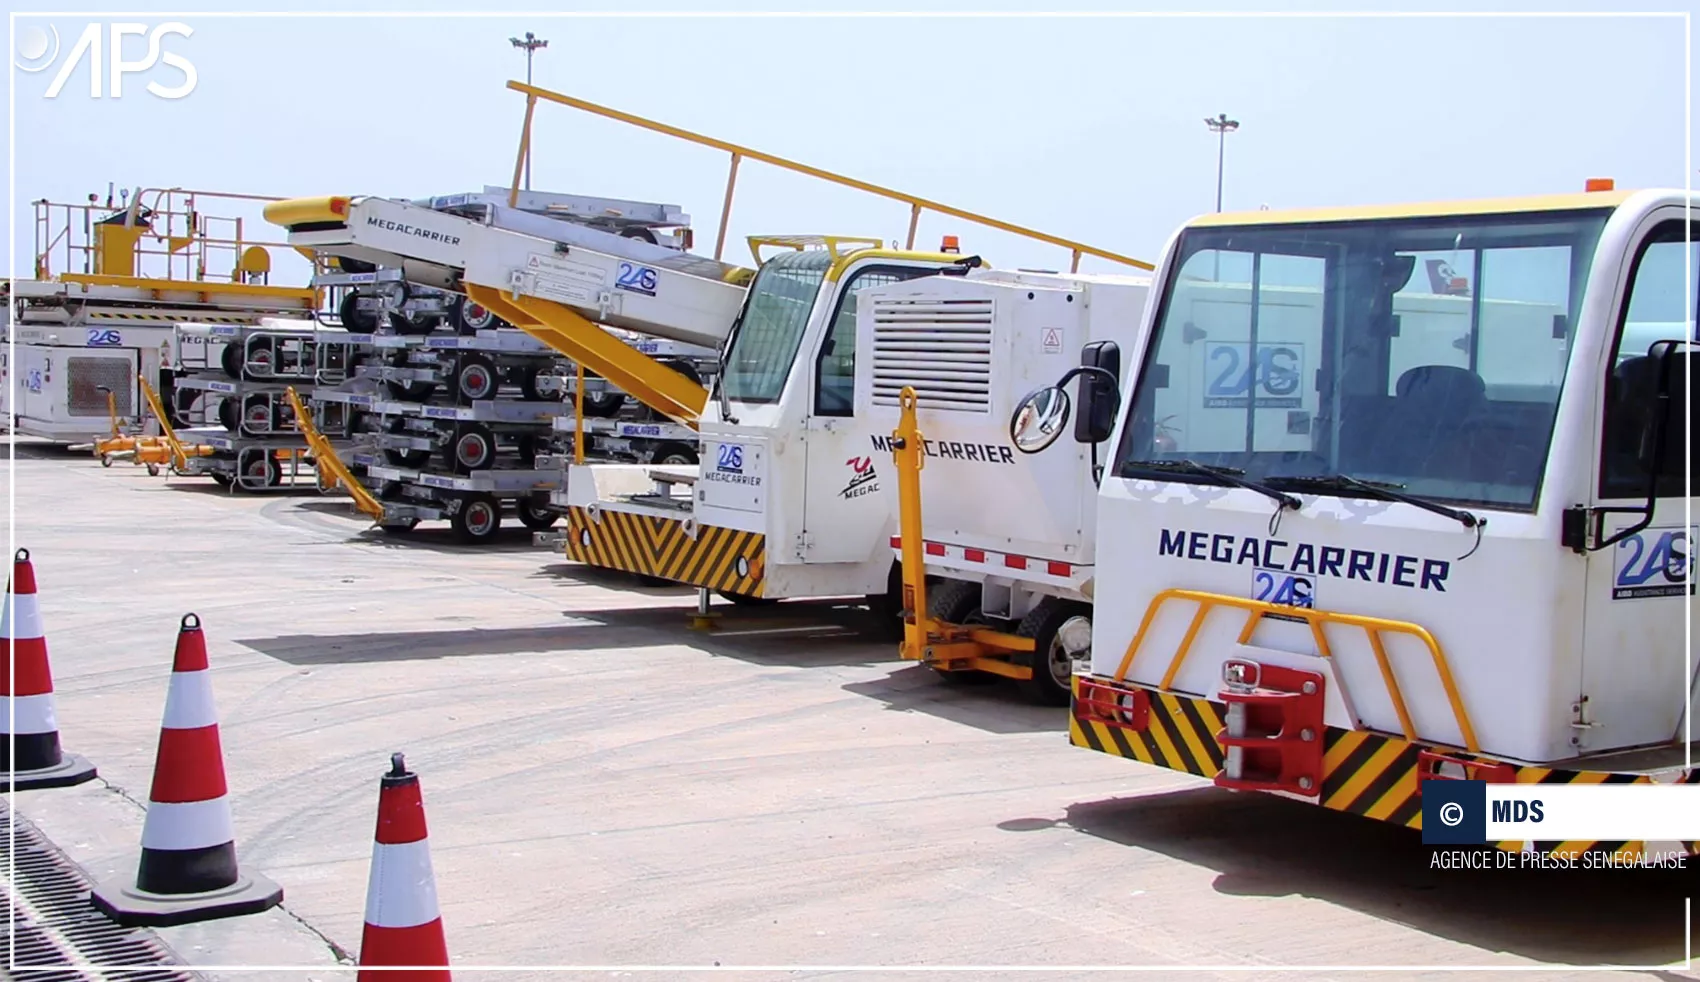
(112, 282)
(1399, 495)
(998, 568)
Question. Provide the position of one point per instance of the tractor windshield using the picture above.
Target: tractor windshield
(1424, 354)
(767, 334)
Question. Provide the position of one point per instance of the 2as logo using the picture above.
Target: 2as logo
(730, 458)
(1654, 563)
(39, 49)
(104, 337)
(863, 478)
(1272, 374)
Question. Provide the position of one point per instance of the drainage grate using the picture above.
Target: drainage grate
(49, 919)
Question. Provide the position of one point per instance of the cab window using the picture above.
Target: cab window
(835, 368)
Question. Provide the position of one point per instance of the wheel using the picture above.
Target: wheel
(1053, 666)
(106, 460)
(409, 457)
(258, 416)
(957, 602)
(641, 234)
(674, 454)
(473, 448)
(408, 390)
(221, 479)
(261, 362)
(257, 470)
(231, 359)
(229, 414)
(745, 600)
(601, 405)
(348, 265)
(153, 470)
(355, 319)
(478, 520)
(475, 377)
(469, 317)
(887, 607)
(529, 389)
(536, 515)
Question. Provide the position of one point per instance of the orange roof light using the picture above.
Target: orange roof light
(950, 244)
(1599, 184)
(339, 206)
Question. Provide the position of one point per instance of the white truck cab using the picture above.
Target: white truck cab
(1400, 494)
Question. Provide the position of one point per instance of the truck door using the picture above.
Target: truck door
(846, 482)
(1633, 639)
(36, 382)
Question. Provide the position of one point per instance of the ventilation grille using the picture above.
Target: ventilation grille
(941, 348)
(50, 922)
(87, 377)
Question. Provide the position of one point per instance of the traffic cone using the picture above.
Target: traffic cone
(403, 924)
(188, 868)
(32, 753)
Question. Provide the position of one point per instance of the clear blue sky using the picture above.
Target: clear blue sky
(1087, 128)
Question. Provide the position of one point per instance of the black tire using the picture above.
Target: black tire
(887, 607)
(745, 600)
(222, 480)
(1047, 660)
(409, 390)
(472, 448)
(356, 266)
(475, 378)
(259, 416)
(257, 469)
(957, 602)
(601, 405)
(478, 520)
(354, 320)
(231, 358)
(528, 388)
(674, 454)
(641, 234)
(229, 414)
(260, 365)
(408, 457)
(469, 317)
(536, 515)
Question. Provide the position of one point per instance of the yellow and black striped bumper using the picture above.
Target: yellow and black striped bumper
(1368, 774)
(717, 558)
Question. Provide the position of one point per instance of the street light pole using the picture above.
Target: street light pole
(1221, 126)
(531, 43)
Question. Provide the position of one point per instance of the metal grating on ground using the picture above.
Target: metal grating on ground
(49, 918)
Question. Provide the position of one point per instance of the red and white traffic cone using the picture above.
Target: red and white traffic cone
(188, 869)
(403, 923)
(32, 753)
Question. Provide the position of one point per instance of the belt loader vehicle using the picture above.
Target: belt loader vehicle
(1397, 531)
(111, 282)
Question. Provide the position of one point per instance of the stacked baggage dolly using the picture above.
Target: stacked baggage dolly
(456, 415)
(232, 398)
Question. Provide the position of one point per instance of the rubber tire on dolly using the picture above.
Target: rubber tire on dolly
(475, 378)
(536, 514)
(957, 602)
(409, 390)
(674, 455)
(255, 462)
(478, 520)
(404, 457)
(354, 320)
(472, 448)
(1041, 624)
(260, 352)
(259, 417)
(469, 317)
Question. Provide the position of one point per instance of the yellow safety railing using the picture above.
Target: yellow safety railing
(186, 242)
(1257, 610)
(916, 204)
(327, 463)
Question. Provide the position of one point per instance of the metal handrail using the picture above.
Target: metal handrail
(916, 203)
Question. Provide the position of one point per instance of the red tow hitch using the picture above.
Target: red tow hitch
(1273, 737)
(1128, 709)
(1433, 765)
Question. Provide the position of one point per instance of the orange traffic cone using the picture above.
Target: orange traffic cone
(188, 869)
(32, 753)
(403, 924)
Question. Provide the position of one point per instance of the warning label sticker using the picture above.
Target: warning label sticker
(1051, 339)
(564, 281)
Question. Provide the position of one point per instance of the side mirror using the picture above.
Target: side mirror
(1100, 392)
(1039, 419)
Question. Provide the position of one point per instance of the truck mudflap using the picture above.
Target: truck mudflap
(1361, 772)
(674, 549)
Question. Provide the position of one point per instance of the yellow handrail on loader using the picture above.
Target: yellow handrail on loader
(328, 464)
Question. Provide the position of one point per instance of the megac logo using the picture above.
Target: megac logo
(38, 50)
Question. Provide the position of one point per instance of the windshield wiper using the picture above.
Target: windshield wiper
(1379, 489)
(1228, 475)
